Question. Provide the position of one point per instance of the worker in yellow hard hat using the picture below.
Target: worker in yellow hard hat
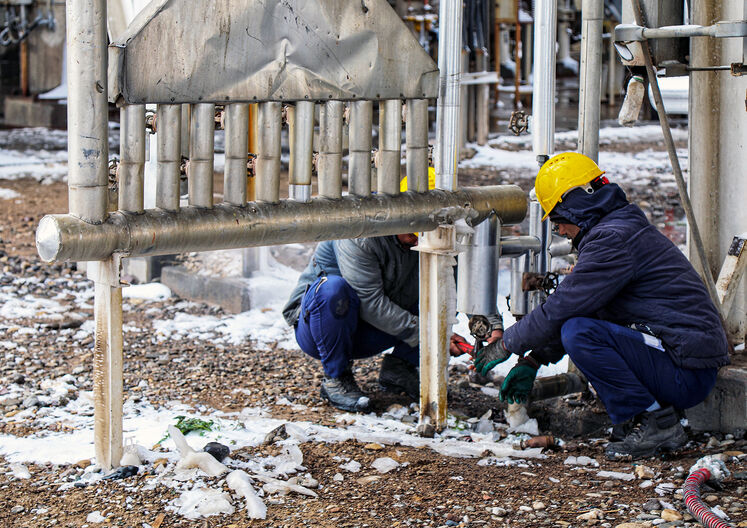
(634, 316)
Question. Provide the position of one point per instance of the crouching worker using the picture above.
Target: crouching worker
(355, 299)
(634, 316)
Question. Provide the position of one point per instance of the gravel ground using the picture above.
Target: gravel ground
(54, 342)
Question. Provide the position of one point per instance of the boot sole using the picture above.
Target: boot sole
(342, 407)
(659, 450)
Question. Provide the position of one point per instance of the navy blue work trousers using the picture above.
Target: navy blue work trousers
(331, 330)
(630, 371)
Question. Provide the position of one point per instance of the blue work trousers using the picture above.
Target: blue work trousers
(631, 371)
(330, 329)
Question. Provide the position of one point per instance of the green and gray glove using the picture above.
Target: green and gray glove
(518, 383)
(489, 356)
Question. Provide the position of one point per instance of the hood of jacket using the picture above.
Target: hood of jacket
(585, 210)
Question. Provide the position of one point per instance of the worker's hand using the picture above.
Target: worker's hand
(518, 384)
(489, 356)
(495, 335)
(458, 345)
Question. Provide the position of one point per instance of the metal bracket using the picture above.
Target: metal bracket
(519, 122)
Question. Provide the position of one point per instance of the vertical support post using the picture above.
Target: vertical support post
(87, 110)
(299, 188)
(437, 285)
(482, 94)
(201, 153)
(464, 104)
(107, 362)
(416, 140)
(612, 87)
(359, 139)
(543, 101)
(269, 124)
(437, 309)
(590, 82)
(390, 143)
(237, 141)
(132, 158)
(329, 162)
(169, 139)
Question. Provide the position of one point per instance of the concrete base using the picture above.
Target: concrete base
(145, 269)
(27, 112)
(231, 294)
(725, 409)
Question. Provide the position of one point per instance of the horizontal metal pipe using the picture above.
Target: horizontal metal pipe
(157, 232)
(416, 141)
(359, 164)
(169, 141)
(554, 386)
(132, 158)
(518, 245)
(201, 152)
(267, 164)
(390, 141)
(301, 152)
(237, 146)
(329, 162)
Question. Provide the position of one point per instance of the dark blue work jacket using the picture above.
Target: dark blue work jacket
(627, 273)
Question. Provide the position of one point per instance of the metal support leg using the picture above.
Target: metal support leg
(416, 138)
(437, 309)
(359, 166)
(237, 134)
(268, 152)
(169, 140)
(482, 96)
(132, 158)
(107, 362)
(329, 162)
(201, 153)
(390, 141)
(301, 152)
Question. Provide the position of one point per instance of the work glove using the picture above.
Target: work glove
(518, 383)
(489, 356)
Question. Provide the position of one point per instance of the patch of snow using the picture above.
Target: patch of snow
(153, 291)
(202, 502)
(385, 464)
(95, 517)
(8, 194)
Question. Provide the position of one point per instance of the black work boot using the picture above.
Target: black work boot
(659, 431)
(398, 375)
(344, 393)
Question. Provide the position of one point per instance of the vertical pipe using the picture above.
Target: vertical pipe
(87, 110)
(237, 141)
(437, 285)
(543, 100)
(201, 153)
(132, 158)
(477, 272)
(169, 138)
(390, 143)
(590, 82)
(518, 297)
(612, 73)
(416, 139)
(359, 141)
(482, 96)
(329, 162)
(446, 153)
(301, 152)
(519, 51)
(269, 124)
(463, 137)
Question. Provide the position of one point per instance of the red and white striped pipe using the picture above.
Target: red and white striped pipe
(695, 504)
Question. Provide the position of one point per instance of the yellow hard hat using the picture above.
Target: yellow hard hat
(431, 181)
(560, 174)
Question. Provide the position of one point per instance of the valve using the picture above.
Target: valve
(545, 282)
(519, 122)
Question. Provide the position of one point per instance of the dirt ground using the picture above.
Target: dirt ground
(430, 490)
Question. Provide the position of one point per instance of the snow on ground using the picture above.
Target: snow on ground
(8, 194)
(41, 165)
